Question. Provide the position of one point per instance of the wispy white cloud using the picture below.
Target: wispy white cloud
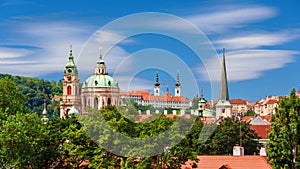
(50, 41)
(255, 40)
(236, 17)
(249, 64)
(9, 53)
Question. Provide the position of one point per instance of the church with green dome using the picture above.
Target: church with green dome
(97, 91)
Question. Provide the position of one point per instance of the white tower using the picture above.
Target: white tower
(177, 86)
(223, 107)
(157, 86)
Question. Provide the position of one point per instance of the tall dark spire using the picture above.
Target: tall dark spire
(177, 81)
(157, 82)
(224, 95)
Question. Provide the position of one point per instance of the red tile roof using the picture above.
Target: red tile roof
(261, 130)
(235, 162)
(147, 96)
(238, 101)
(271, 101)
(249, 118)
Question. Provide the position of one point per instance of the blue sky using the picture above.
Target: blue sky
(262, 41)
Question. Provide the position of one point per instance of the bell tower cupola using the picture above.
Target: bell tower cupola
(101, 67)
(71, 87)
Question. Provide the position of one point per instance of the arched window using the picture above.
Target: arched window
(96, 102)
(69, 90)
(109, 101)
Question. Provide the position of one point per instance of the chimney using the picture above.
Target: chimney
(262, 151)
(238, 150)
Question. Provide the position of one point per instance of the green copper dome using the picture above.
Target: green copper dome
(100, 80)
(73, 111)
(70, 66)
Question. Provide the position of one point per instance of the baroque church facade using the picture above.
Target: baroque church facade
(97, 91)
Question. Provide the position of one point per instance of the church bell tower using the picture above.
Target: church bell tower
(223, 107)
(156, 86)
(177, 86)
(71, 95)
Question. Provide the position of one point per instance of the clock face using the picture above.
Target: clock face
(69, 78)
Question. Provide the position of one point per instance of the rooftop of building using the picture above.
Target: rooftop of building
(234, 162)
(146, 95)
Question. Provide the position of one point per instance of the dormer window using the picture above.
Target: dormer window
(96, 82)
(109, 83)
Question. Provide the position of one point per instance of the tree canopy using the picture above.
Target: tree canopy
(283, 147)
(35, 91)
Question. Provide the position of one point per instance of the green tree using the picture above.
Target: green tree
(36, 91)
(154, 126)
(77, 147)
(11, 101)
(25, 142)
(231, 132)
(283, 147)
(249, 113)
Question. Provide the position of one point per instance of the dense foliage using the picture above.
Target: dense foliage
(283, 147)
(35, 91)
(74, 142)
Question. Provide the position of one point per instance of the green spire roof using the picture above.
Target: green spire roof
(70, 67)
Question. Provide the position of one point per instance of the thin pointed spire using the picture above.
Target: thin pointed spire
(44, 114)
(45, 109)
(224, 94)
(71, 63)
(157, 79)
(177, 80)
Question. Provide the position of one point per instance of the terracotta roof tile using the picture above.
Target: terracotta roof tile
(261, 130)
(271, 101)
(238, 101)
(147, 96)
(235, 162)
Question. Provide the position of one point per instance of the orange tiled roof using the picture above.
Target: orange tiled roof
(261, 130)
(247, 118)
(147, 96)
(271, 101)
(238, 101)
(236, 162)
(268, 118)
